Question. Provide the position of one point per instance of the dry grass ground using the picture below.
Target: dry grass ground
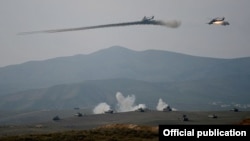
(116, 132)
(245, 121)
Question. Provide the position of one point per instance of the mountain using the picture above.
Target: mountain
(85, 80)
(117, 62)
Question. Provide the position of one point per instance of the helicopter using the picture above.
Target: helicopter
(218, 21)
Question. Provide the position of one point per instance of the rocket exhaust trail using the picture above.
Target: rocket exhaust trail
(170, 24)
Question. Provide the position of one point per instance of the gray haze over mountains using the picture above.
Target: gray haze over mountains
(183, 81)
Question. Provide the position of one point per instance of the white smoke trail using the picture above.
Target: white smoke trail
(101, 108)
(126, 104)
(172, 24)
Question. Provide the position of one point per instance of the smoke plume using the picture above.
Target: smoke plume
(125, 104)
(170, 24)
(101, 108)
(161, 105)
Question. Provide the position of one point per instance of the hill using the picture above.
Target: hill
(184, 81)
(117, 62)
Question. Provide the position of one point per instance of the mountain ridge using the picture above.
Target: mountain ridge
(108, 63)
(153, 73)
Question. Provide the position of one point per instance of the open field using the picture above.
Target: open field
(31, 123)
(116, 132)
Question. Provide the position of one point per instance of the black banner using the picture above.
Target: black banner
(199, 132)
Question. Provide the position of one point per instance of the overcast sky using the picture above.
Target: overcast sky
(193, 37)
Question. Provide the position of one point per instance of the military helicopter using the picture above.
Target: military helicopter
(147, 18)
(218, 21)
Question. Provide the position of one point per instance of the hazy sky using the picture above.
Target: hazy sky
(193, 37)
